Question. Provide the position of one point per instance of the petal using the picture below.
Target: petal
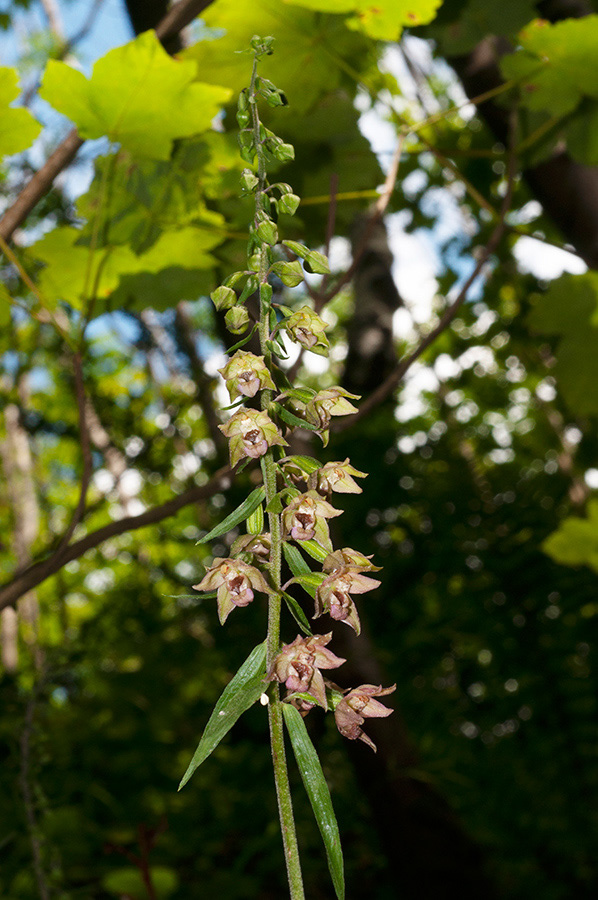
(361, 584)
(317, 688)
(225, 604)
(367, 740)
(375, 710)
(353, 619)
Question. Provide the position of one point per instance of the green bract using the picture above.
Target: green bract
(223, 297)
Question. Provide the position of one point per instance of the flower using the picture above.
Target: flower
(255, 544)
(251, 432)
(245, 373)
(235, 582)
(331, 402)
(298, 665)
(334, 593)
(357, 706)
(305, 517)
(336, 476)
(341, 559)
(307, 328)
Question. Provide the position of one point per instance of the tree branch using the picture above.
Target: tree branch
(35, 574)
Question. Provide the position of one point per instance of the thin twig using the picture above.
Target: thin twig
(378, 212)
(399, 372)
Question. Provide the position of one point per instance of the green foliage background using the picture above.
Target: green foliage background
(487, 617)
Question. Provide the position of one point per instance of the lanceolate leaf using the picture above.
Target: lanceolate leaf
(240, 513)
(318, 793)
(242, 343)
(297, 613)
(296, 563)
(240, 693)
(308, 580)
(311, 581)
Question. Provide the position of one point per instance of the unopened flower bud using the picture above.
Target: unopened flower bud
(249, 181)
(237, 320)
(290, 273)
(289, 203)
(267, 232)
(223, 297)
(283, 152)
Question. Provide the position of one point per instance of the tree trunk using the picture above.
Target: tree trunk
(567, 190)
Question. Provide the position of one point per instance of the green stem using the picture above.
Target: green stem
(281, 775)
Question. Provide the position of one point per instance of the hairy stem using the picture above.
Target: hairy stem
(281, 776)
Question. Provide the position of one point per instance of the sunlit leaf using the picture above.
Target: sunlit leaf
(380, 19)
(137, 95)
(74, 273)
(575, 542)
(307, 48)
(558, 64)
(18, 128)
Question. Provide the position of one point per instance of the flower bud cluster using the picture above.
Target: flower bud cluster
(298, 489)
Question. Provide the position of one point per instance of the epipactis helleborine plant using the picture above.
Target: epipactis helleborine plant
(295, 497)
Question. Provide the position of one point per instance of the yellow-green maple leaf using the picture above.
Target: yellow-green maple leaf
(137, 95)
